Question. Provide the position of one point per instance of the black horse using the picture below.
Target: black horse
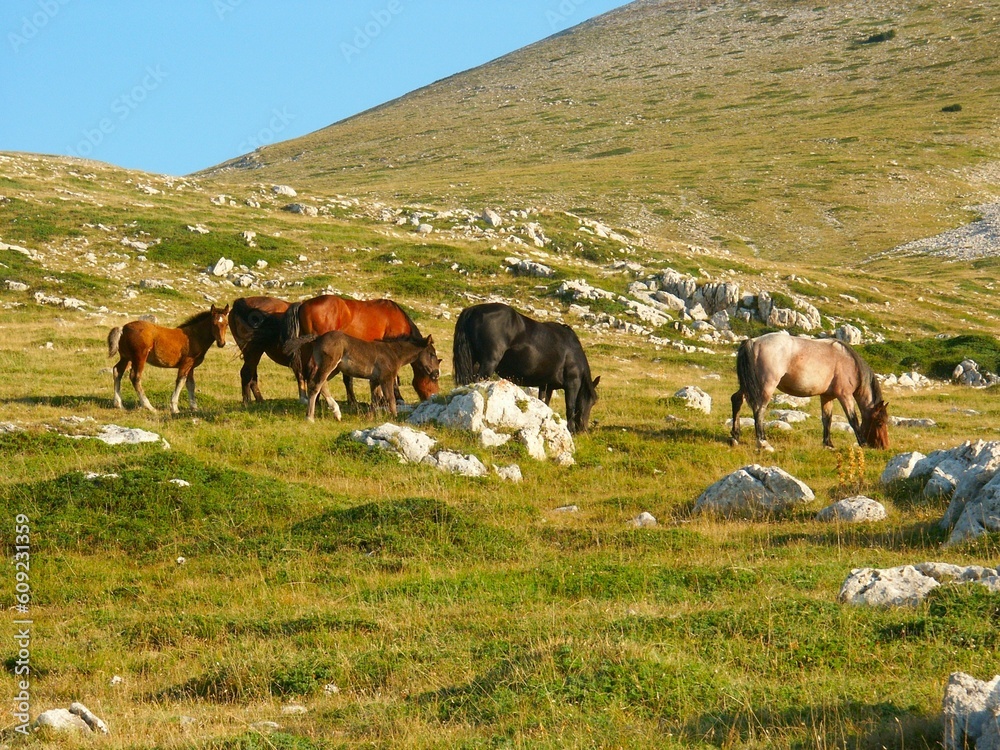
(496, 338)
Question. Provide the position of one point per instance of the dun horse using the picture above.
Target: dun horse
(378, 361)
(496, 338)
(140, 343)
(826, 368)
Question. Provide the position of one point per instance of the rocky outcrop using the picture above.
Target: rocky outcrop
(971, 712)
(494, 408)
(695, 398)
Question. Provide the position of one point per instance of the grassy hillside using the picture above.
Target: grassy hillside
(777, 128)
(777, 146)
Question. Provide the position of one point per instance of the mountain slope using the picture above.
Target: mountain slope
(769, 127)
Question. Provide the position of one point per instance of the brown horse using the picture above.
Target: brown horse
(797, 366)
(256, 323)
(184, 347)
(261, 325)
(378, 361)
(368, 320)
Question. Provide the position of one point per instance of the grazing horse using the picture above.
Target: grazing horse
(797, 366)
(378, 361)
(266, 323)
(255, 323)
(496, 338)
(140, 343)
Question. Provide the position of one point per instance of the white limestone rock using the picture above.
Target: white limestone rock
(284, 190)
(858, 509)
(93, 721)
(754, 490)
(411, 446)
(510, 473)
(907, 585)
(695, 398)
(222, 267)
(971, 709)
(61, 721)
(900, 467)
(644, 520)
(456, 463)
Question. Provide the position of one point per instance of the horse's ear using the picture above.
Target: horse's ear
(212, 309)
(430, 339)
(597, 380)
(225, 310)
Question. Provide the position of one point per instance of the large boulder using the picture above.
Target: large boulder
(503, 409)
(754, 490)
(900, 467)
(971, 708)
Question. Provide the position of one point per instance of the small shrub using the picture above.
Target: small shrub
(882, 36)
(952, 108)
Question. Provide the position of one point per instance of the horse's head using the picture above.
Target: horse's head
(427, 371)
(220, 321)
(585, 401)
(875, 426)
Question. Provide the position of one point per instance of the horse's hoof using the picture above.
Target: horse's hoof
(733, 442)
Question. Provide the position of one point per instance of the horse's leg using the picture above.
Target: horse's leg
(737, 401)
(317, 385)
(545, 393)
(248, 374)
(120, 369)
(349, 387)
(331, 402)
(827, 405)
(182, 375)
(850, 409)
(138, 365)
(388, 396)
(759, 411)
(190, 383)
(572, 390)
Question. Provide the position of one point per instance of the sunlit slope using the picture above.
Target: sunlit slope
(778, 128)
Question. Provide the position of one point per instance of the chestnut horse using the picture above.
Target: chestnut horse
(378, 361)
(262, 325)
(798, 366)
(140, 343)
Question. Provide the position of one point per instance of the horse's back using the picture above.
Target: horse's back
(368, 320)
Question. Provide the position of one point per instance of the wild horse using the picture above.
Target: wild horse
(140, 343)
(495, 338)
(379, 361)
(797, 366)
(262, 325)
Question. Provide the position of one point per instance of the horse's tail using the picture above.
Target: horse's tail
(292, 347)
(114, 336)
(750, 383)
(461, 351)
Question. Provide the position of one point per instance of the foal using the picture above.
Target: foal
(185, 347)
(377, 361)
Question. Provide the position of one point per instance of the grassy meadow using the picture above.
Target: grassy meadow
(449, 612)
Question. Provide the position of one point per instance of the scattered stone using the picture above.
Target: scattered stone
(753, 490)
(853, 510)
(93, 476)
(791, 416)
(695, 398)
(971, 709)
(849, 335)
(179, 482)
(154, 284)
(198, 229)
(60, 720)
(900, 467)
(492, 218)
(181, 560)
(412, 446)
(967, 373)
(249, 238)
(284, 190)
(220, 200)
(222, 267)
(566, 509)
(911, 422)
(331, 689)
(644, 520)
(301, 208)
(456, 463)
(16, 286)
(907, 585)
(93, 721)
(113, 434)
(116, 680)
(510, 473)
(523, 267)
(293, 709)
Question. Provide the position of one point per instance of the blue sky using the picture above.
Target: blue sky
(179, 85)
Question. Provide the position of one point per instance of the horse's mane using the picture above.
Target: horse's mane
(869, 387)
(197, 318)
